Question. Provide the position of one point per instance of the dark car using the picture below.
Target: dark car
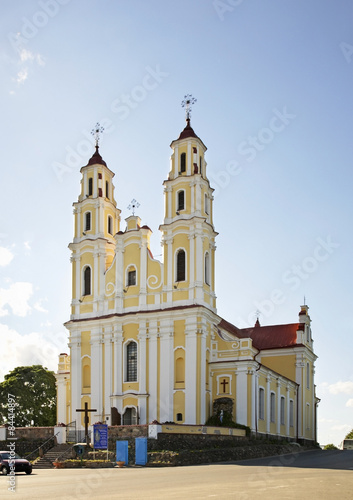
(21, 464)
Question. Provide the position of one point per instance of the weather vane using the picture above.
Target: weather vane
(186, 103)
(133, 205)
(96, 132)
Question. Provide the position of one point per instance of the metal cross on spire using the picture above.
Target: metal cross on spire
(186, 103)
(96, 132)
(133, 205)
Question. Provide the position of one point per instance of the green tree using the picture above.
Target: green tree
(34, 392)
(330, 447)
(349, 435)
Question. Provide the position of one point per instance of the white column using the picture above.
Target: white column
(152, 371)
(166, 372)
(203, 376)
(176, 161)
(190, 371)
(299, 367)
(96, 373)
(95, 279)
(118, 360)
(75, 376)
(143, 273)
(191, 238)
(108, 374)
(268, 404)
(169, 242)
(198, 201)
(253, 399)
(278, 397)
(199, 264)
(119, 275)
(189, 160)
(242, 395)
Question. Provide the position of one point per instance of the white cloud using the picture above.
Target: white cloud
(38, 306)
(22, 76)
(5, 256)
(16, 297)
(349, 403)
(27, 245)
(345, 387)
(26, 350)
(342, 428)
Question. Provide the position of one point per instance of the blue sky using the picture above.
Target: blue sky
(273, 82)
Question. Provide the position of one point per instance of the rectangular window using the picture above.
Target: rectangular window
(131, 278)
(87, 221)
(273, 407)
(107, 189)
(261, 404)
(181, 200)
(291, 413)
(131, 362)
(182, 162)
(110, 224)
(90, 186)
(282, 409)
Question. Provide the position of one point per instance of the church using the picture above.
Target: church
(146, 342)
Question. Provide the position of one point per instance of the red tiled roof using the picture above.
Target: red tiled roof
(96, 159)
(266, 337)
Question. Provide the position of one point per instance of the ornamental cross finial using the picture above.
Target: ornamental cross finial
(186, 103)
(133, 205)
(96, 132)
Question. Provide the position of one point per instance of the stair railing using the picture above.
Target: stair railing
(43, 445)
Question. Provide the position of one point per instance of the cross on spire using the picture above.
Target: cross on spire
(96, 132)
(187, 103)
(133, 205)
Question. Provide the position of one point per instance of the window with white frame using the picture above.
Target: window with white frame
(180, 265)
(291, 413)
(181, 200)
(282, 410)
(273, 407)
(131, 276)
(88, 221)
(183, 162)
(87, 281)
(90, 186)
(110, 224)
(207, 268)
(131, 362)
(261, 403)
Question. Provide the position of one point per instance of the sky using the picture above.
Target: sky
(273, 82)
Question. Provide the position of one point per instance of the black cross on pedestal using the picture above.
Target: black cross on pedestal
(224, 383)
(86, 420)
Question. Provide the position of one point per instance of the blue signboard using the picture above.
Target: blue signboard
(100, 436)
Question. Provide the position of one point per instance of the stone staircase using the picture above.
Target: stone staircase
(46, 462)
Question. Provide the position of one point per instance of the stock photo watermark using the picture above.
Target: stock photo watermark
(11, 430)
(223, 7)
(122, 107)
(250, 147)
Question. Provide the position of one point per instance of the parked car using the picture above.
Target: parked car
(21, 464)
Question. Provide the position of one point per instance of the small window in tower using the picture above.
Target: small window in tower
(110, 224)
(181, 201)
(207, 268)
(207, 204)
(131, 277)
(183, 162)
(179, 417)
(180, 274)
(87, 221)
(107, 189)
(200, 165)
(87, 281)
(90, 186)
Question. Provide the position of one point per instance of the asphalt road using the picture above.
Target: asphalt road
(324, 475)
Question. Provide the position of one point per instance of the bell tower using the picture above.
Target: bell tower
(97, 220)
(188, 232)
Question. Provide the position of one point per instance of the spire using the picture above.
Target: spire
(96, 157)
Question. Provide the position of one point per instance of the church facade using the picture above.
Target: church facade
(145, 339)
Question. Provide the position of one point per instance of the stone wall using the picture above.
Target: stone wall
(33, 433)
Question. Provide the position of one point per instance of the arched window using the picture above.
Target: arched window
(131, 362)
(110, 224)
(261, 403)
(87, 221)
(179, 370)
(207, 268)
(86, 376)
(90, 186)
(107, 189)
(180, 266)
(87, 281)
(282, 411)
(273, 407)
(130, 416)
(183, 162)
(181, 200)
